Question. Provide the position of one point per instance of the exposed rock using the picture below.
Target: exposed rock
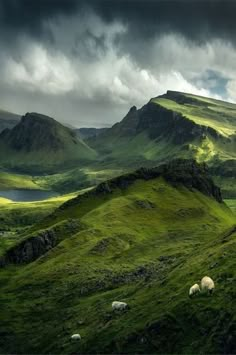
(101, 246)
(34, 246)
(179, 171)
(145, 204)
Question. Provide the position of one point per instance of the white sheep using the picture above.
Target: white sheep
(194, 290)
(76, 337)
(119, 306)
(207, 284)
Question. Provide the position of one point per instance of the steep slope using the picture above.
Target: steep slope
(8, 120)
(174, 125)
(143, 238)
(40, 143)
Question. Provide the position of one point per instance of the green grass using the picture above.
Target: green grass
(18, 215)
(63, 182)
(148, 257)
(76, 179)
(40, 144)
(215, 115)
(16, 181)
(231, 204)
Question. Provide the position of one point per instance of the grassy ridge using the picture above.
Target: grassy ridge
(218, 115)
(146, 245)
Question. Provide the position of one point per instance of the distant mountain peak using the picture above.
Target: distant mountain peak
(42, 139)
(132, 109)
(36, 131)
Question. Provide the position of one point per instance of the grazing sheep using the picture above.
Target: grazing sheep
(207, 284)
(119, 306)
(194, 290)
(76, 337)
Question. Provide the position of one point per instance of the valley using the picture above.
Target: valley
(117, 177)
(131, 213)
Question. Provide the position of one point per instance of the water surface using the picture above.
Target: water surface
(24, 195)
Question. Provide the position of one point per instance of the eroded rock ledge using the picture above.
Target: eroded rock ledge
(32, 247)
(179, 171)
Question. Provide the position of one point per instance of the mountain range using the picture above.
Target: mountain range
(173, 125)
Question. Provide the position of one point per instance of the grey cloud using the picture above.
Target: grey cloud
(197, 20)
(86, 62)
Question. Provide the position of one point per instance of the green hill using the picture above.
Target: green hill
(143, 238)
(39, 143)
(175, 125)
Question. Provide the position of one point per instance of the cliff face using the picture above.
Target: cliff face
(160, 122)
(32, 247)
(156, 122)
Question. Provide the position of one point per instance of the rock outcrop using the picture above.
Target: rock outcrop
(32, 247)
(179, 171)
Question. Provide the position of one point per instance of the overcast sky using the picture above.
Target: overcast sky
(86, 62)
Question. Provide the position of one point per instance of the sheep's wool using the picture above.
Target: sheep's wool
(207, 284)
(194, 289)
(119, 306)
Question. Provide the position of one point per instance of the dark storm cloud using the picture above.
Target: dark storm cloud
(28, 15)
(197, 20)
(90, 60)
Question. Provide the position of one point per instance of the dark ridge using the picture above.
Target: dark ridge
(180, 171)
(160, 121)
(181, 98)
(36, 132)
(36, 245)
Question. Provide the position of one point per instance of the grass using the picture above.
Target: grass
(64, 182)
(214, 115)
(148, 257)
(231, 203)
(40, 144)
(16, 181)
(18, 215)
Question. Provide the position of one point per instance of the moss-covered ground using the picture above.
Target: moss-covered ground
(145, 245)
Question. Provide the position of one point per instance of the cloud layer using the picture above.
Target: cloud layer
(86, 63)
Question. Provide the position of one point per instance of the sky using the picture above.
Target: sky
(85, 63)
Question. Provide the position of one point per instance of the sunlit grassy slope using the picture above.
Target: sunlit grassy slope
(16, 181)
(17, 215)
(145, 244)
(172, 125)
(62, 182)
(217, 114)
(231, 203)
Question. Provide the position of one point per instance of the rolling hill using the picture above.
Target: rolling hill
(39, 143)
(143, 238)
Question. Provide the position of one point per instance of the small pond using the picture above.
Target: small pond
(27, 195)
